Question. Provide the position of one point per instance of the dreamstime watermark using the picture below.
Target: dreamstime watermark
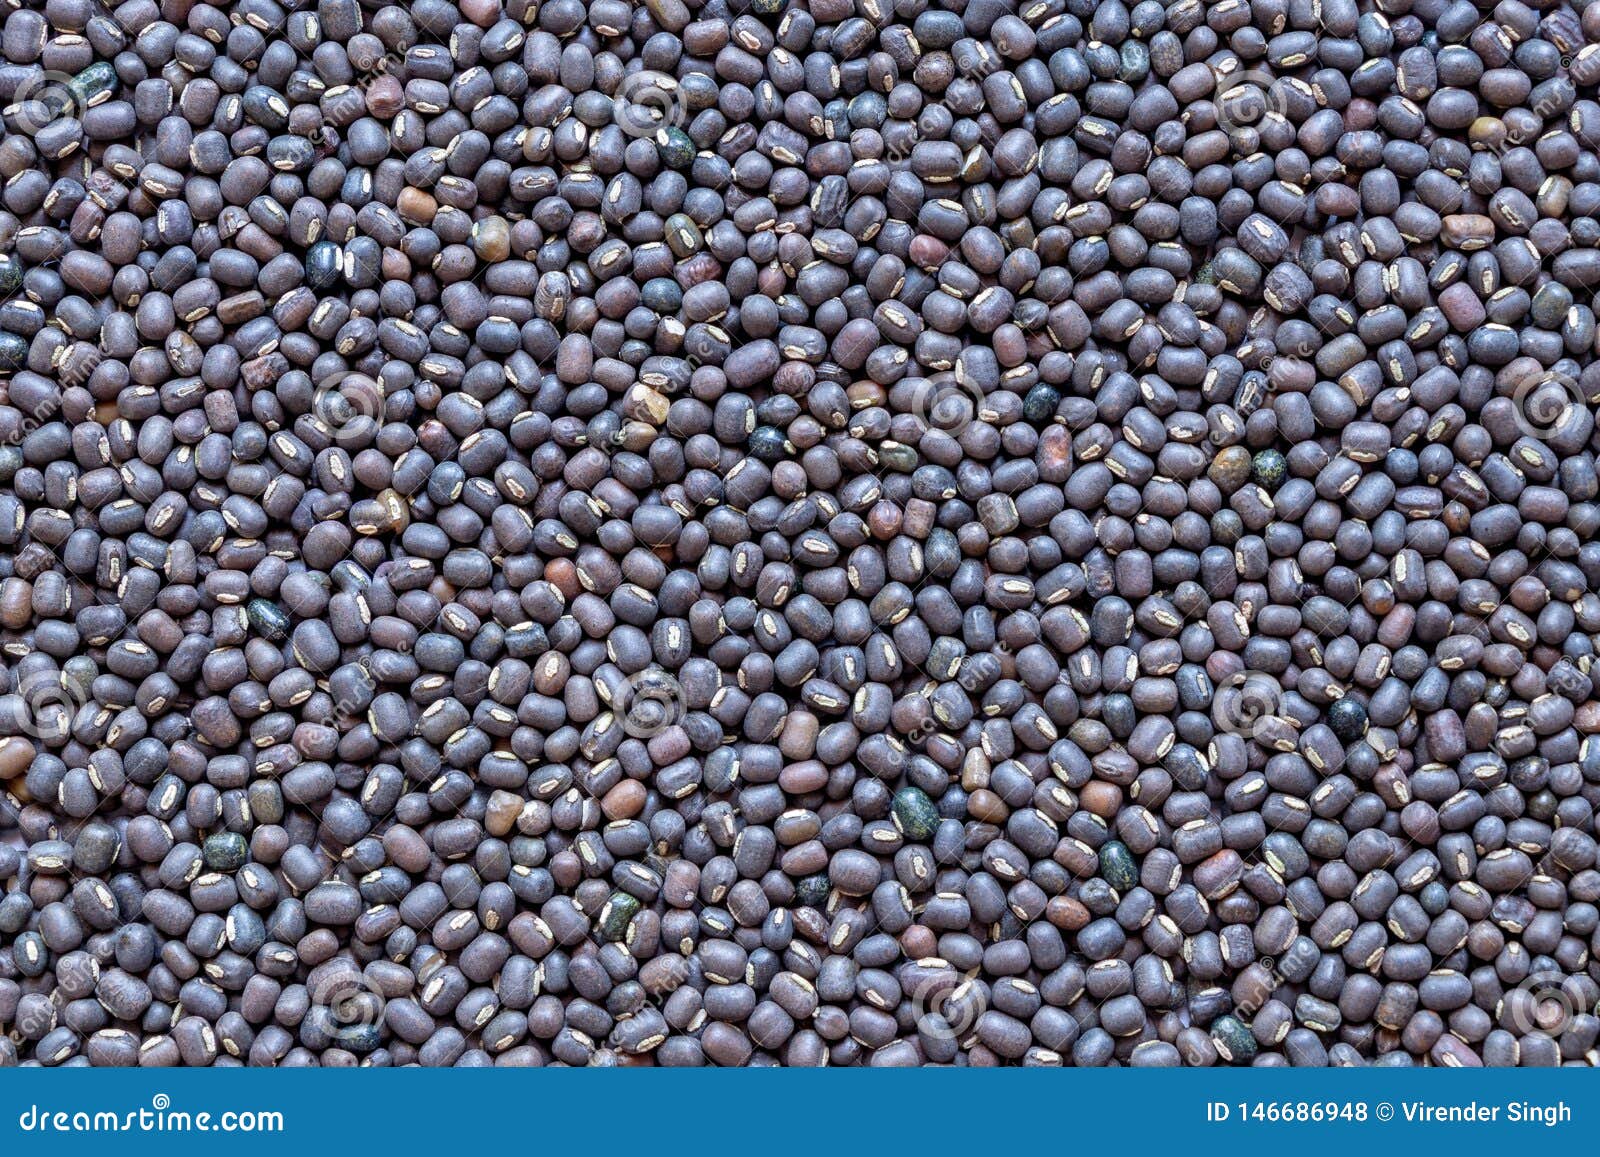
(1553, 103)
(647, 102)
(347, 710)
(1244, 100)
(945, 1004)
(948, 402)
(975, 681)
(75, 364)
(1567, 679)
(43, 706)
(157, 1117)
(1244, 701)
(68, 374)
(1547, 1002)
(390, 63)
(1545, 401)
(645, 1029)
(349, 405)
(346, 1007)
(1251, 1003)
(974, 63)
(43, 97)
(648, 702)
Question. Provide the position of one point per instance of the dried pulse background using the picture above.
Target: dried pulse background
(799, 532)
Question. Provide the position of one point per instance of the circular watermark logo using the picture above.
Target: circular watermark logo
(43, 98)
(649, 702)
(349, 405)
(1244, 100)
(43, 706)
(1243, 701)
(1544, 402)
(647, 102)
(1546, 1002)
(948, 403)
(945, 1004)
(346, 1007)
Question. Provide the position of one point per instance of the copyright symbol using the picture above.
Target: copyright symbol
(1385, 1111)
